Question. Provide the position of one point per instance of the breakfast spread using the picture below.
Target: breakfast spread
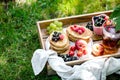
(80, 36)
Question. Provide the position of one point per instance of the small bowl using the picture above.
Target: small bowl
(98, 29)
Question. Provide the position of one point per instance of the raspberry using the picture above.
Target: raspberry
(75, 26)
(83, 29)
(80, 31)
(61, 37)
(76, 29)
(72, 28)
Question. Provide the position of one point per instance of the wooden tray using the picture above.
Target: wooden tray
(81, 19)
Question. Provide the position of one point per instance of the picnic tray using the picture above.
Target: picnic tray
(82, 20)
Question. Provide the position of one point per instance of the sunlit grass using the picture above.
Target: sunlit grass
(71, 7)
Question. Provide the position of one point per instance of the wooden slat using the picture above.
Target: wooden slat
(72, 19)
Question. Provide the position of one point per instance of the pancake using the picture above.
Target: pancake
(60, 43)
(61, 51)
(73, 36)
(62, 48)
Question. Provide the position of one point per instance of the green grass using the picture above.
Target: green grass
(19, 37)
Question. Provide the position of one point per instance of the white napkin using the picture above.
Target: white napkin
(96, 69)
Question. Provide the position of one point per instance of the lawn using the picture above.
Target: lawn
(19, 37)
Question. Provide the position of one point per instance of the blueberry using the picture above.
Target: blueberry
(53, 38)
(95, 17)
(54, 35)
(65, 59)
(67, 55)
(68, 59)
(89, 26)
(55, 32)
(57, 38)
(102, 21)
(74, 58)
(98, 20)
(103, 17)
(99, 24)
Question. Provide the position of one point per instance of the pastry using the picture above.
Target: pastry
(97, 49)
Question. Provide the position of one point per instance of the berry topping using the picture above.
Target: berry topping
(55, 32)
(56, 36)
(75, 26)
(83, 29)
(78, 29)
(99, 20)
(72, 28)
(61, 37)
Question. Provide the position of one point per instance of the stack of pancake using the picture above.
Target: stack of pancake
(73, 35)
(60, 45)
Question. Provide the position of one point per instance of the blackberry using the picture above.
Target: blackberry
(103, 17)
(67, 55)
(53, 38)
(89, 26)
(54, 35)
(102, 21)
(95, 17)
(99, 21)
(57, 37)
(55, 32)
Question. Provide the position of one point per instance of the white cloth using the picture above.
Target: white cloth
(96, 69)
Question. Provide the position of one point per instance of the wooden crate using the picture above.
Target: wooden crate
(82, 19)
